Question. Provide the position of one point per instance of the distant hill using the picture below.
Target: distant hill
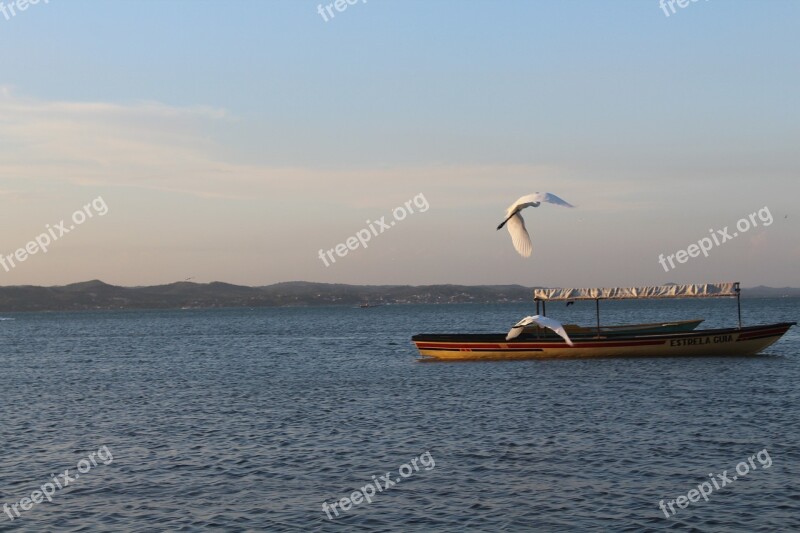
(771, 292)
(93, 295)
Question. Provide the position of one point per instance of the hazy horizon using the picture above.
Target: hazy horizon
(234, 143)
(362, 284)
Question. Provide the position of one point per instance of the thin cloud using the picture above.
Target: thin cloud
(153, 146)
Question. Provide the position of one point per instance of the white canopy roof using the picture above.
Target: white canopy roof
(707, 290)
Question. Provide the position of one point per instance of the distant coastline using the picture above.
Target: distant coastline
(96, 295)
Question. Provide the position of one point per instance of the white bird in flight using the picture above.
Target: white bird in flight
(516, 225)
(543, 321)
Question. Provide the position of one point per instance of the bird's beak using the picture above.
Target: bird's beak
(503, 223)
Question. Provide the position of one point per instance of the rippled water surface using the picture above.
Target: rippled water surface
(239, 420)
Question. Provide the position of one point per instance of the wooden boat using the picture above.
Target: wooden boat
(735, 341)
(726, 341)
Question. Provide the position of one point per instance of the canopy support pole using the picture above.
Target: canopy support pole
(597, 310)
(544, 308)
(739, 304)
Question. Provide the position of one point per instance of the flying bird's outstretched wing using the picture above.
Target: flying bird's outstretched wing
(535, 199)
(542, 321)
(519, 235)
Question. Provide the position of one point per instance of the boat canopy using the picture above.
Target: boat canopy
(706, 290)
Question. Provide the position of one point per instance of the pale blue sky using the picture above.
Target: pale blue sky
(233, 140)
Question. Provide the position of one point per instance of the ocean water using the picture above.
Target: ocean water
(251, 419)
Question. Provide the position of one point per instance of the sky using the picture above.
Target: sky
(253, 142)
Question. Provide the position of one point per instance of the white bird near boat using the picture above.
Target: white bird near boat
(516, 224)
(542, 321)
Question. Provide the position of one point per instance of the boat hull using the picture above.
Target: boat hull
(713, 342)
